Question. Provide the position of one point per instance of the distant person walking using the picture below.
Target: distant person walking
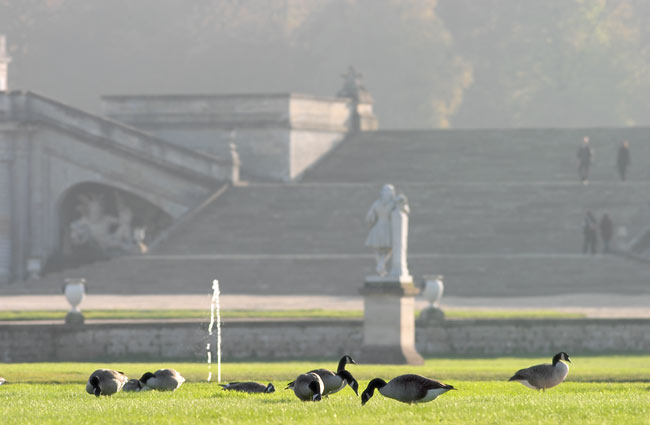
(606, 231)
(584, 160)
(623, 159)
(590, 234)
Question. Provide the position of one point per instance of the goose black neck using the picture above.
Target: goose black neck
(94, 382)
(375, 384)
(314, 387)
(146, 377)
(556, 358)
(342, 363)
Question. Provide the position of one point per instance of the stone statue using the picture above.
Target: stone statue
(353, 86)
(388, 221)
(94, 226)
(108, 233)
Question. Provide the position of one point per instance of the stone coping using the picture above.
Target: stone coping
(271, 322)
(183, 322)
(204, 96)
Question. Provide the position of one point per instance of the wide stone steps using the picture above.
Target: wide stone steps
(454, 218)
(474, 276)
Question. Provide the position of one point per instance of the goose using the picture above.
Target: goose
(105, 382)
(308, 386)
(406, 388)
(335, 382)
(133, 385)
(162, 380)
(542, 376)
(249, 387)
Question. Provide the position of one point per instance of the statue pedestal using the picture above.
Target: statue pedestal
(389, 321)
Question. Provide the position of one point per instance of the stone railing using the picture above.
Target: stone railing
(30, 107)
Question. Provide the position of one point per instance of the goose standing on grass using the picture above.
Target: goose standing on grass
(162, 380)
(308, 387)
(544, 376)
(249, 387)
(406, 388)
(105, 382)
(335, 382)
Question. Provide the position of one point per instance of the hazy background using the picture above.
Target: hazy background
(428, 63)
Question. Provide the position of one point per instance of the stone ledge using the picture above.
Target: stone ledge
(389, 286)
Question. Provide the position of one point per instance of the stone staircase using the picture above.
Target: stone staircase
(499, 213)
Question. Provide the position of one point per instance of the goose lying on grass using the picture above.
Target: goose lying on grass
(249, 387)
(105, 382)
(162, 380)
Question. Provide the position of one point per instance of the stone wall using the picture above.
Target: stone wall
(296, 339)
(278, 136)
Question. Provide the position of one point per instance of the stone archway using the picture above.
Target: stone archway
(98, 221)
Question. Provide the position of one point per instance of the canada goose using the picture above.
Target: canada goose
(133, 385)
(105, 382)
(308, 386)
(162, 380)
(406, 388)
(249, 387)
(335, 382)
(542, 376)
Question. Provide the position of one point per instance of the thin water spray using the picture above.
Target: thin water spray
(215, 315)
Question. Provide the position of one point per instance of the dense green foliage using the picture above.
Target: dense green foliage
(428, 63)
(274, 314)
(595, 392)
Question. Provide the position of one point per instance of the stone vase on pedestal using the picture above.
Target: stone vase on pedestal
(432, 289)
(74, 291)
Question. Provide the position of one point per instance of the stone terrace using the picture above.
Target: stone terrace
(526, 155)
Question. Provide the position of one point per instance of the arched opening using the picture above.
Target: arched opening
(97, 222)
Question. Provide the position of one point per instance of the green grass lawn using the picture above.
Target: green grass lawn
(277, 314)
(599, 390)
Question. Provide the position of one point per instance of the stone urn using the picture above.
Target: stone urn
(74, 291)
(432, 289)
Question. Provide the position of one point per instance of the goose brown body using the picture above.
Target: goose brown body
(308, 387)
(543, 376)
(249, 387)
(335, 381)
(409, 388)
(105, 382)
(162, 380)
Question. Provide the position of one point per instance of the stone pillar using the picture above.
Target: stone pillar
(4, 64)
(389, 321)
(399, 228)
(5, 210)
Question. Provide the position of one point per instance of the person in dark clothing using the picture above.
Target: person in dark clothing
(623, 159)
(606, 231)
(590, 234)
(584, 160)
